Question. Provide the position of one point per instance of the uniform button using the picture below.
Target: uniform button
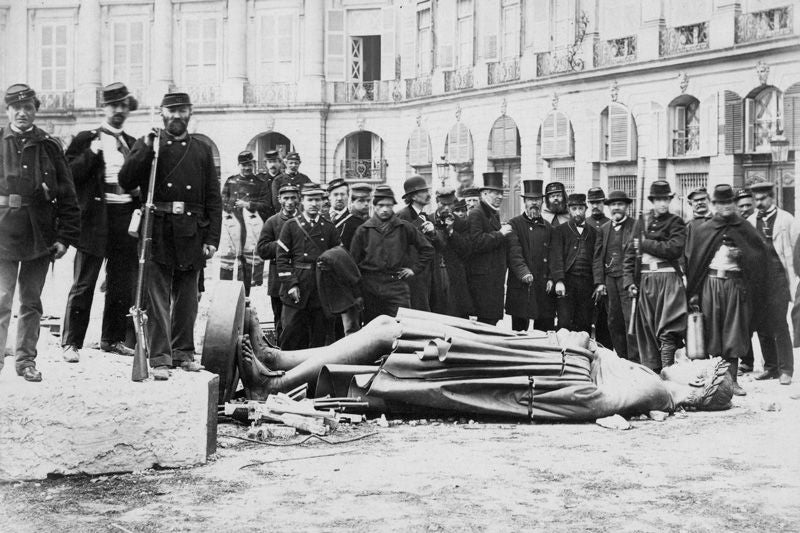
(188, 187)
(24, 166)
(169, 185)
(183, 143)
(305, 254)
(169, 142)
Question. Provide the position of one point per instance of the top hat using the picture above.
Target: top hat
(595, 194)
(763, 187)
(292, 156)
(336, 183)
(617, 196)
(19, 92)
(723, 193)
(554, 186)
(272, 155)
(532, 188)
(576, 199)
(175, 100)
(660, 189)
(446, 194)
(245, 157)
(743, 193)
(117, 92)
(492, 181)
(470, 192)
(288, 188)
(312, 189)
(700, 191)
(360, 189)
(414, 184)
(383, 192)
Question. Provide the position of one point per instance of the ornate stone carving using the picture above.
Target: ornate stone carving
(360, 122)
(614, 90)
(503, 107)
(458, 112)
(762, 71)
(554, 100)
(683, 82)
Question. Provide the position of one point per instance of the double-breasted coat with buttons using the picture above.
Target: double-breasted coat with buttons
(267, 248)
(487, 265)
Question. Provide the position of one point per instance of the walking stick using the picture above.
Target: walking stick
(637, 243)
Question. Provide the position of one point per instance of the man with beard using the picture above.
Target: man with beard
(267, 248)
(597, 217)
(486, 272)
(247, 198)
(575, 283)
(660, 319)
(358, 214)
(609, 253)
(597, 213)
(380, 249)
(744, 203)
(534, 262)
(471, 197)
(186, 231)
(338, 192)
(723, 273)
(95, 158)
(301, 241)
(455, 233)
(778, 231)
(291, 176)
(555, 210)
(39, 218)
(417, 196)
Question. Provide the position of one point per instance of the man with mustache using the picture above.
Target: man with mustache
(358, 212)
(95, 158)
(291, 176)
(555, 210)
(595, 196)
(186, 231)
(698, 199)
(417, 196)
(471, 197)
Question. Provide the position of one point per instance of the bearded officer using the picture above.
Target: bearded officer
(555, 200)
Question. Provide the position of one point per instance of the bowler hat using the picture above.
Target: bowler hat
(763, 187)
(361, 189)
(492, 181)
(446, 194)
(595, 194)
(383, 192)
(117, 92)
(272, 155)
(554, 186)
(723, 193)
(743, 193)
(414, 184)
(292, 156)
(617, 196)
(700, 191)
(576, 199)
(19, 92)
(460, 205)
(660, 189)
(336, 183)
(175, 100)
(470, 192)
(532, 188)
(288, 188)
(312, 189)
(245, 157)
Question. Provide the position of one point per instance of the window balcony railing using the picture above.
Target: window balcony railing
(504, 71)
(418, 87)
(368, 91)
(363, 169)
(270, 93)
(558, 61)
(456, 80)
(615, 51)
(56, 100)
(765, 24)
(686, 142)
(203, 94)
(683, 39)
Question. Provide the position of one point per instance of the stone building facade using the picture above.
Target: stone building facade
(585, 92)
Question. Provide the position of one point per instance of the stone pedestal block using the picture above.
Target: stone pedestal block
(91, 418)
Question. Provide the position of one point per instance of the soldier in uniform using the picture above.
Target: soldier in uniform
(267, 247)
(291, 176)
(534, 262)
(660, 319)
(95, 158)
(380, 249)
(486, 272)
(358, 213)
(301, 241)
(338, 192)
(744, 203)
(417, 196)
(247, 197)
(555, 197)
(39, 219)
(186, 231)
(609, 252)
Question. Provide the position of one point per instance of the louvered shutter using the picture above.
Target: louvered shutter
(539, 25)
(388, 71)
(549, 137)
(563, 137)
(335, 48)
(510, 135)
(749, 125)
(489, 25)
(408, 18)
(619, 131)
(791, 116)
(679, 131)
(596, 140)
(733, 123)
(420, 149)
(709, 126)
(459, 144)
(445, 24)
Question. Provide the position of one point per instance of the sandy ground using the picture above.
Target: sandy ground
(737, 470)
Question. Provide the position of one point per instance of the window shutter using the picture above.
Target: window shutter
(563, 137)
(596, 140)
(490, 24)
(679, 131)
(420, 149)
(510, 137)
(377, 151)
(459, 144)
(733, 123)
(791, 116)
(619, 131)
(408, 18)
(539, 25)
(445, 32)
(335, 48)
(285, 48)
(749, 125)
(549, 137)
(388, 70)
(709, 127)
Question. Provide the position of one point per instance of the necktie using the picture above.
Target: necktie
(121, 145)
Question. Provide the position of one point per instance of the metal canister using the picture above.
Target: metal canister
(695, 335)
(136, 221)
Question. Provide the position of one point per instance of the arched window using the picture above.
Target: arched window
(418, 154)
(359, 157)
(684, 126)
(504, 139)
(265, 142)
(618, 134)
(459, 145)
(763, 114)
(557, 138)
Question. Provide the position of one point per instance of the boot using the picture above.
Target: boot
(668, 348)
(733, 370)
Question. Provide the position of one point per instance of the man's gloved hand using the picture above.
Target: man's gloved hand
(561, 290)
(527, 279)
(633, 291)
(58, 250)
(209, 251)
(294, 294)
(96, 146)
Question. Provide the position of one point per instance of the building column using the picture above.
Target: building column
(161, 53)
(313, 60)
(236, 53)
(649, 35)
(722, 28)
(88, 76)
(17, 63)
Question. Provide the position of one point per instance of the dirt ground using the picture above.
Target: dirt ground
(737, 470)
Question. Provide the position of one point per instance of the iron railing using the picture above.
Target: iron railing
(765, 24)
(457, 80)
(683, 39)
(56, 100)
(363, 169)
(503, 71)
(270, 93)
(418, 87)
(615, 51)
(686, 141)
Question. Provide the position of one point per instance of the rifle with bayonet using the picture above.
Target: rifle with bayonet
(637, 243)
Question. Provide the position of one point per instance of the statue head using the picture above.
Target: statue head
(706, 383)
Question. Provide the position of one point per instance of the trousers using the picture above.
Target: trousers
(773, 335)
(171, 314)
(618, 304)
(30, 275)
(521, 323)
(383, 295)
(303, 328)
(575, 308)
(277, 310)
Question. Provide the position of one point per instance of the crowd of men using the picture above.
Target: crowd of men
(344, 254)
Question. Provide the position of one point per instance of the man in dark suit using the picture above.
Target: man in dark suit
(609, 252)
(95, 158)
(186, 231)
(595, 197)
(417, 196)
(301, 242)
(487, 266)
(291, 176)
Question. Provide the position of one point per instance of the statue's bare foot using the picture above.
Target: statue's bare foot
(263, 351)
(258, 379)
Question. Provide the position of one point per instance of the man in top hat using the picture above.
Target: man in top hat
(451, 223)
(723, 272)
(39, 219)
(186, 231)
(380, 248)
(358, 213)
(247, 199)
(95, 158)
(302, 240)
(289, 198)
(534, 263)
(486, 271)
(609, 252)
(575, 282)
(417, 196)
(555, 197)
(660, 319)
(777, 228)
(472, 197)
(290, 176)
(744, 203)
(596, 198)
